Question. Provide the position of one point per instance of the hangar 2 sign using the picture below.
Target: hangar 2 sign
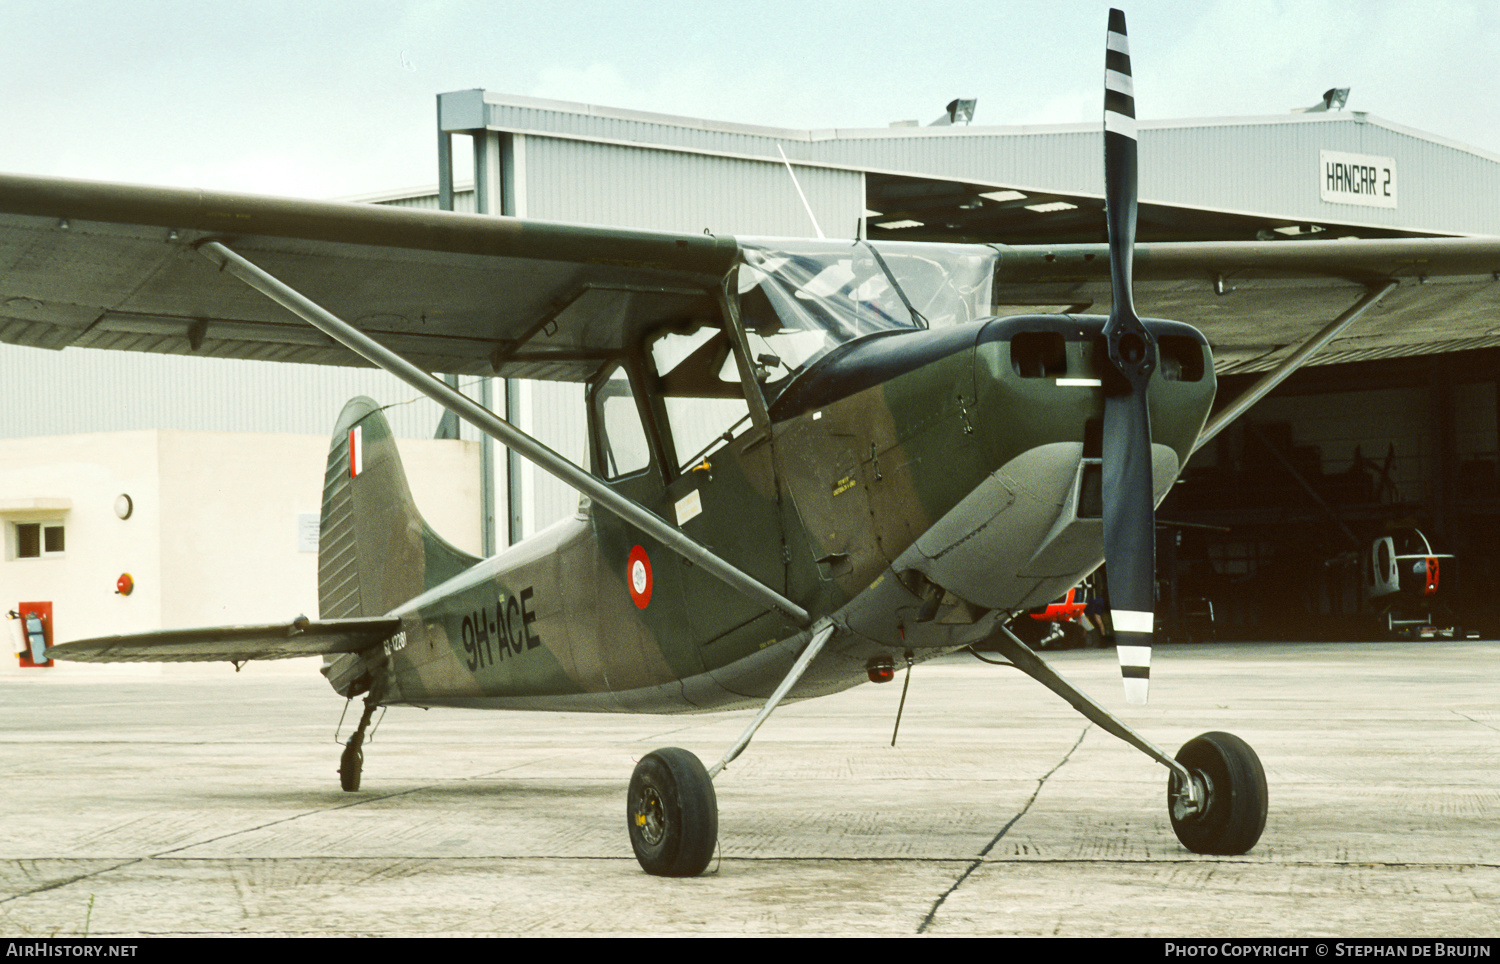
(1357, 179)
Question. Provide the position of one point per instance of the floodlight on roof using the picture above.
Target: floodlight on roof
(1051, 206)
(900, 224)
(1003, 195)
(957, 111)
(1334, 98)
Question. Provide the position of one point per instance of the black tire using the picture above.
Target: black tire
(1236, 784)
(351, 764)
(672, 813)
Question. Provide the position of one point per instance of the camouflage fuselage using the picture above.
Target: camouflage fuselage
(917, 487)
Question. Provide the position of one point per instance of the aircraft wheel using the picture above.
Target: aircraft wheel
(672, 813)
(350, 764)
(1236, 783)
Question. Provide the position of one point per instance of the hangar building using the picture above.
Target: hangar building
(1275, 517)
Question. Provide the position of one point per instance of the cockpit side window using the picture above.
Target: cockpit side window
(620, 438)
(700, 389)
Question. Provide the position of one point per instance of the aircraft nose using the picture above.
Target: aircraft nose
(1035, 382)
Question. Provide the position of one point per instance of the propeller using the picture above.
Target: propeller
(1129, 504)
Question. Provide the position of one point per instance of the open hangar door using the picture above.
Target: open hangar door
(1277, 522)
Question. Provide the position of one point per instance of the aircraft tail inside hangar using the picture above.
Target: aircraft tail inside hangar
(1278, 515)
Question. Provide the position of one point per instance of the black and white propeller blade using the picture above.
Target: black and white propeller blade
(1129, 504)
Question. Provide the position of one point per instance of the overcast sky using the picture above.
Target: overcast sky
(331, 98)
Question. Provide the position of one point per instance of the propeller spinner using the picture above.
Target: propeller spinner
(1129, 505)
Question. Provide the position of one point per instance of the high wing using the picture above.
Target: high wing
(300, 637)
(1256, 301)
(114, 266)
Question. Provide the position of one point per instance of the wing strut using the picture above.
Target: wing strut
(814, 646)
(1290, 364)
(491, 424)
(1193, 792)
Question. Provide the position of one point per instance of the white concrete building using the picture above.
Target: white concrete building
(212, 528)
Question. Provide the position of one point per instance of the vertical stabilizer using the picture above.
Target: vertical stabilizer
(374, 550)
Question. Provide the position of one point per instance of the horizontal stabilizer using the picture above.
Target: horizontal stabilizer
(300, 637)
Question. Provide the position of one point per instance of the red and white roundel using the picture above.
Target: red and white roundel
(638, 577)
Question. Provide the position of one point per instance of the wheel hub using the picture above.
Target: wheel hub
(1191, 803)
(650, 816)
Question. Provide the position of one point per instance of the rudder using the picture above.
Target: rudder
(374, 550)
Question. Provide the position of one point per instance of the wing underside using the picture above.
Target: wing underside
(116, 266)
(1257, 301)
(301, 637)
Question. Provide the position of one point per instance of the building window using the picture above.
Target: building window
(34, 540)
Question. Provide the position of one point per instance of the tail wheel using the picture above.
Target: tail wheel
(1234, 814)
(672, 814)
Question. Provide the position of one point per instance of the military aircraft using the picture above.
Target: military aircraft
(809, 461)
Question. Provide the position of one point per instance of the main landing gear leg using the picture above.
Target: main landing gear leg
(351, 764)
(671, 811)
(1216, 794)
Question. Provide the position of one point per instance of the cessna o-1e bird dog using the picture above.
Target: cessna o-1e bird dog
(809, 460)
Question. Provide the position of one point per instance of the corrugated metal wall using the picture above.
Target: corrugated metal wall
(1062, 159)
(83, 390)
(652, 189)
(1256, 165)
(555, 415)
(603, 124)
(1266, 165)
(1272, 167)
(463, 200)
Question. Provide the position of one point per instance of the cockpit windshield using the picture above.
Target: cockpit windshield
(799, 300)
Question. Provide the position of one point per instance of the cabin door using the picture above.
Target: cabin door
(721, 488)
